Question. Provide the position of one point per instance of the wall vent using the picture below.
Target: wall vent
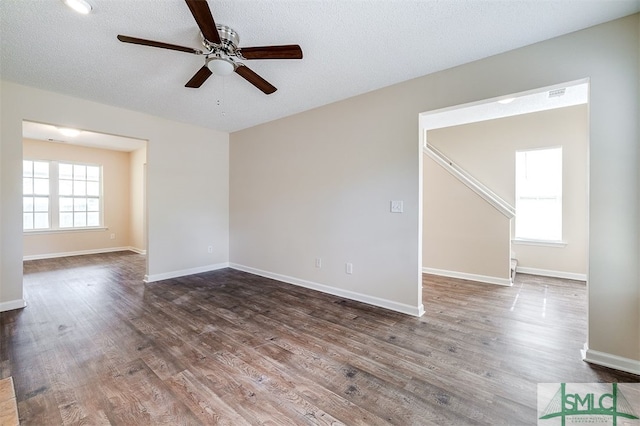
(557, 92)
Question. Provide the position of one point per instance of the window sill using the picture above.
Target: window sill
(64, 230)
(542, 243)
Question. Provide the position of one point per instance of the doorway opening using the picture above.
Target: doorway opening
(468, 233)
(84, 192)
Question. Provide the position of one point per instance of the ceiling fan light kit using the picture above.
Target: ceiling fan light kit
(221, 51)
(221, 66)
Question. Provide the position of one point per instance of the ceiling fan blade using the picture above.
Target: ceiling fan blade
(135, 40)
(198, 78)
(202, 14)
(289, 51)
(255, 79)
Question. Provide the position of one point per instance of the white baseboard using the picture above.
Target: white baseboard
(550, 273)
(81, 253)
(416, 311)
(470, 277)
(137, 250)
(612, 361)
(12, 304)
(184, 272)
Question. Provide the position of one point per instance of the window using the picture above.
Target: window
(61, 195)
(79, 190)
(35, 195)
(539, 194)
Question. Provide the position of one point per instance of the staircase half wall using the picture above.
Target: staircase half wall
(463, 235)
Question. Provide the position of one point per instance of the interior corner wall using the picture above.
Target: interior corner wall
(138, 163)
(318, 184)
(187, 182)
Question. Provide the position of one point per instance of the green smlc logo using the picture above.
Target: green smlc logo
(602, 405)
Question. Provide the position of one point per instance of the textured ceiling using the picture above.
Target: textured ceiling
(350, 47)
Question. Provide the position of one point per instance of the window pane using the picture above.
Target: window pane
(65, 171)
(66, 220)
(27, 221)
(41, 221)
(93, 219)
(41, 204)
(80, 204)
(41, 169)
(66, 204)
(79, 172)
(79, 219)
(27, 168)
(537, 219)
(93, 188)
(27, 204)
(65, 187)
(41, 186)
(539, 194)
(79, 187)
(93, 173)
(93, 204)
(27, 186)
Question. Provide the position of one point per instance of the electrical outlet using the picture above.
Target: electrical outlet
(318, 262)
(210, 249)
(348, 268)
(112, 236)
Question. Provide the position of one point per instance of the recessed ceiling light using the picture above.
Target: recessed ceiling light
(506, 101)
(80, 6)
(71, 133)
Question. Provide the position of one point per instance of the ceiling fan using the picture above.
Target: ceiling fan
(221, 53)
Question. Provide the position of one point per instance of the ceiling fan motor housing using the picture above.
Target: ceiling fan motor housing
(229, 46)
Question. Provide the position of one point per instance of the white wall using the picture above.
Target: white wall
(187, 186)
(137, 216)
(319, 183)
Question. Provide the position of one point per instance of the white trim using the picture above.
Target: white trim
(12, 304)
(506, 209)
(542, 243)
(63, 230)
(78, 253)
(552, 274)
(184, 272)
(465, 276)
(415, 311)
(137, 250)
(611, 361)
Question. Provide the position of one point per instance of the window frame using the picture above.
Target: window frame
(54, 198)
(35, 195)
(558, 198)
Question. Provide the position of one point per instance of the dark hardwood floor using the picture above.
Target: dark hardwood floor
(96, 345)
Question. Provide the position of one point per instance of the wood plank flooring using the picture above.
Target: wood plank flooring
(8, 406)
(96, 345)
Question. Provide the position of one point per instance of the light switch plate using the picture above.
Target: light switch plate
(397, 206)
